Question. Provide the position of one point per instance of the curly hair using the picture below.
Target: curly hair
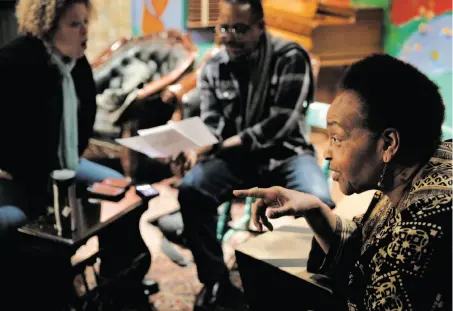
(40, 18)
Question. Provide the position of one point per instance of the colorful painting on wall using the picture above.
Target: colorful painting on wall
(417, 31)
(156, 15)
(420, 32)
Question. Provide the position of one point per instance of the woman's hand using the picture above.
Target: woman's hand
(276, 202)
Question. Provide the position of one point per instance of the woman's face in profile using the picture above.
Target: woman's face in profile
(356, 159)
(72, 31)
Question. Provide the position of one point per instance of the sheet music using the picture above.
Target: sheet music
(196, 130)
(169, 142)
(137, 143)
(171, 139)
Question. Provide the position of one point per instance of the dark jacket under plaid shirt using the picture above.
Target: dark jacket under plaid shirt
(269, 120)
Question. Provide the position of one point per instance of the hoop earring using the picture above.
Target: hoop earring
(380, 184)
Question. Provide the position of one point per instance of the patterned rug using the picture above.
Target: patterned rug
(179, 285)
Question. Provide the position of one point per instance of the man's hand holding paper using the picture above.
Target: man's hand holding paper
(172, 139)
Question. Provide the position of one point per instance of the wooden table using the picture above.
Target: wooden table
(273, 265)
(92, 222)
(40, 240)
(273, 270)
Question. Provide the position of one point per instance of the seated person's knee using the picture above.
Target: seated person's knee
(11, 217)
(187, 191)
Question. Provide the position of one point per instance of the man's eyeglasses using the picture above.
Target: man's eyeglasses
(237, 30)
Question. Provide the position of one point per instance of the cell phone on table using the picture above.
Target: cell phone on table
(117, 182)
(146, 191)
(105, 192)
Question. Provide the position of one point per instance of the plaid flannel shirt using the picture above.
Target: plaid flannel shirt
(281, 129)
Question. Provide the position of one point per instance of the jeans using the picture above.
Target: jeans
(12, 216)
(211, 183)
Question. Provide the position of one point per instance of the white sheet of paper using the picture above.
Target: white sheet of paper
(175, 137)
(170, 139)
(155, 130)
(137, 143)
(196, 130)
(169, 142)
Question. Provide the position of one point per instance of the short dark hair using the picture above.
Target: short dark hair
(255, 6)
(395, 94)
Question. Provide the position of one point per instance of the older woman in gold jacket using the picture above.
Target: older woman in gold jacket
(385, 134)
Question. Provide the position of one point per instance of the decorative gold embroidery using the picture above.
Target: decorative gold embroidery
(389, 225)
(397, 244)
(435, 176)
(377, 262)
(431, 206)
(409, 250)
(387, 293)
(352, 307)
(438, 304)
(378, 219)
(408, 244)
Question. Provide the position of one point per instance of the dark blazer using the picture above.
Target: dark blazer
(31, 102)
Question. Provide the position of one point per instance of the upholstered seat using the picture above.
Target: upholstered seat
(139, 67)
(130, 76)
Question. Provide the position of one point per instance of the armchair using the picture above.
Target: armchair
(130, 76)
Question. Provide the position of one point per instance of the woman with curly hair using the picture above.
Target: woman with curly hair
(47, 112)
(47, 105)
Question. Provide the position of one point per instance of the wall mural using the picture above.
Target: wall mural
(156, 15)
(420, 32)
(417, 31)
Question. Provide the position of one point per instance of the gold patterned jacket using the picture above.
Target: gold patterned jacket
(399, 259)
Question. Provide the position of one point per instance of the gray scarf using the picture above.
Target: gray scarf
(68, 152)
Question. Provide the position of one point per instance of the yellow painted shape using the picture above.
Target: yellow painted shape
(447, 31)
(159, 6)
(435, 55)
(150, 23)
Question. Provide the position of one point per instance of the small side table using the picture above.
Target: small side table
(46, 254)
